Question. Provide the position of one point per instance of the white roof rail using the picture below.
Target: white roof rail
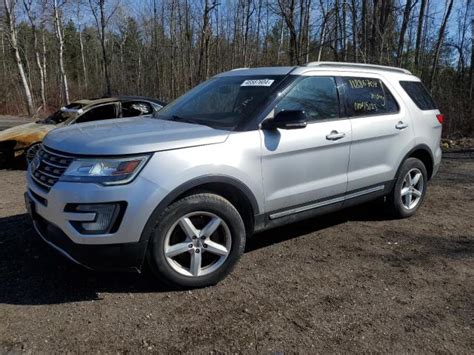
(358, 65)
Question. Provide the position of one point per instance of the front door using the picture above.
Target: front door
(303, 166)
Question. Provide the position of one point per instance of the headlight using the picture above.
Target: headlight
(104, 171)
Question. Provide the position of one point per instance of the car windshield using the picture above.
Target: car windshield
(222, 102)
(64, 113)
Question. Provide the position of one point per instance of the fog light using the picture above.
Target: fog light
(105, 214)
(107, 217)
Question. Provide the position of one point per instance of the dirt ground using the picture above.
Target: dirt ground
(350, 281)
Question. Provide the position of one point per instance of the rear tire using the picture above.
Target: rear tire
(409, 190)
(196, 241)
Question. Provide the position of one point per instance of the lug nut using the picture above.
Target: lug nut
(194, 237)
(190, 246)
(203, 237)
(204, 245)
(198, 251)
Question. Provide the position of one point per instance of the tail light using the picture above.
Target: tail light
(440, 118)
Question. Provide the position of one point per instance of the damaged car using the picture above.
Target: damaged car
(25, 140)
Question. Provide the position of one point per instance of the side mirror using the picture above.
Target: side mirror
(286, 120)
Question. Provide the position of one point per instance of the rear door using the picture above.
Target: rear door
(303, 166)
(381, 132)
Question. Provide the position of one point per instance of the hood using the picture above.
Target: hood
(131, 136)
(26, 134)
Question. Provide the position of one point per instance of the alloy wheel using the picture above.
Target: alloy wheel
(197, 244)
(412, 188)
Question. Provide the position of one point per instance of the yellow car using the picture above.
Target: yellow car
(25, 140)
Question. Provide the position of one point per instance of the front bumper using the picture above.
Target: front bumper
(124, 249)
(124, 257)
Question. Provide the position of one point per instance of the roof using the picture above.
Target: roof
(104, 100)
(298, 70)
(357, 66)
(258, 71)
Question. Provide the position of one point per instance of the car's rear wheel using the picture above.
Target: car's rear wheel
(31, 152)
(409, 190)
(196, 241)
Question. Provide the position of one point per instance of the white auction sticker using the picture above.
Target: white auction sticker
(258, 82)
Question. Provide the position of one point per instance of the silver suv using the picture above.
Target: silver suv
(247, 150)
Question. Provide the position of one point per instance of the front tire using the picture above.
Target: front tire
(409, 190)
(196, 241)
(31, 152)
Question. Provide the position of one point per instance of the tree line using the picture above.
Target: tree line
(55, 51)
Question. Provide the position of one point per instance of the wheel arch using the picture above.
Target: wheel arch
(228, 187)
(423, 153)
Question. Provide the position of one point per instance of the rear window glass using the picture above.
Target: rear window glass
(367, 97)
(418, 94)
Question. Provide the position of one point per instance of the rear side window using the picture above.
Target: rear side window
(136, 108)
(418, 94)
(367, 97)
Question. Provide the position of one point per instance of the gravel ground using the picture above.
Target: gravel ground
(11, 121)
(349, 281)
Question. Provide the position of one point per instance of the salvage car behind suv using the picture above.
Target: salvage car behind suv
(25, 140)
(247, 150)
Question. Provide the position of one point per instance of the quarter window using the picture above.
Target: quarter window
(418, 94)
(368, 96)
(316, 95)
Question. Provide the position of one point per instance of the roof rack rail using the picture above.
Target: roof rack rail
(357, 65)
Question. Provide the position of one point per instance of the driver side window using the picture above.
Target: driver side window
(103, 112)
(316, 95)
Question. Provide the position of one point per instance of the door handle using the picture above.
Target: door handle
(401, 125)
(335, 135)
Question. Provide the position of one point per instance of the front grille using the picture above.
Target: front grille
(49, 167)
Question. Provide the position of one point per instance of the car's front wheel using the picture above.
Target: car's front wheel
(31, 152)
(196, 241)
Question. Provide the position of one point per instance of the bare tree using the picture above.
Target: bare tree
(164, 47)
(13, 36)
(287, 12)
(439, 42)
(403, 30)
(102, 20)
(471, 76)
(419, 32)
(354, 30)
(28, 4)
(60, 38)
(203, 67)
(81, 44)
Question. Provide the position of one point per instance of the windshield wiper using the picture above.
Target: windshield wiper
(187, 120)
